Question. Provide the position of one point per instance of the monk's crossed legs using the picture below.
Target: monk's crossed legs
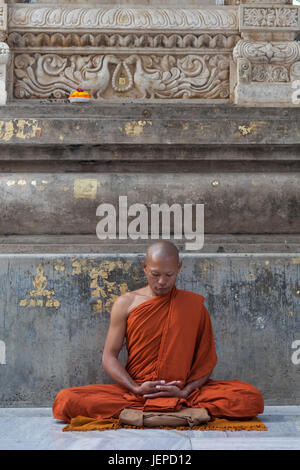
(227, 399)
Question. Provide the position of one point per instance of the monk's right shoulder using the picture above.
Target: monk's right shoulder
(121, 305)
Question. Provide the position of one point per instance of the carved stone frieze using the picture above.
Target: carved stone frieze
(133, 76)
(262, 51)
(46, 17)
(261, 64)
(269, 17)
(121, 52)
(270, 73)
(151, 52)
(19, 40)
(265, 61)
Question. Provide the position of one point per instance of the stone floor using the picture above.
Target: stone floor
(35, 429)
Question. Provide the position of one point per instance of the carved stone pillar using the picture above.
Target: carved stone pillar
(267, 56)
(4, 53)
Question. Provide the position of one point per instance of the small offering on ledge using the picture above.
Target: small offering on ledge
(79, 96)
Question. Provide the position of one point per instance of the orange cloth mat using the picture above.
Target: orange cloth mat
(83, 423)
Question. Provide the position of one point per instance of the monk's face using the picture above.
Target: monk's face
(161, 274)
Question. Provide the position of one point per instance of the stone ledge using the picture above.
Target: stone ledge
(143, 109)
(226, 244)
(147, 124)
(124, 158)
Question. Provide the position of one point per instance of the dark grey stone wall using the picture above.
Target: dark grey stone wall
(55, 314)
(272, 200)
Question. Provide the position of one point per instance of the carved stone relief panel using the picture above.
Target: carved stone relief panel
(131, 76)
(266, 61)
(269, 17)
(121, 52)
(131, 51)
(266, 71)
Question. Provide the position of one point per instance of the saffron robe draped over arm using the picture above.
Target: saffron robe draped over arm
(168, 337)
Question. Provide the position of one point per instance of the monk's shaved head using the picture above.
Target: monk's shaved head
(161, 267)
(162, 250)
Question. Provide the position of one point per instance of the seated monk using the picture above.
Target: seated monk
(171, 354)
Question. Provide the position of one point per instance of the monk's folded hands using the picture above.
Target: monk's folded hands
(169, 389)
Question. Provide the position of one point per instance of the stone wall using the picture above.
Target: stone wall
(56, 325)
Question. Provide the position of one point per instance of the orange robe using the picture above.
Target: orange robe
(168, 337)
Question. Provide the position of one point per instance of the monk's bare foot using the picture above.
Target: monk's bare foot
(200, 415)
(207, 414)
